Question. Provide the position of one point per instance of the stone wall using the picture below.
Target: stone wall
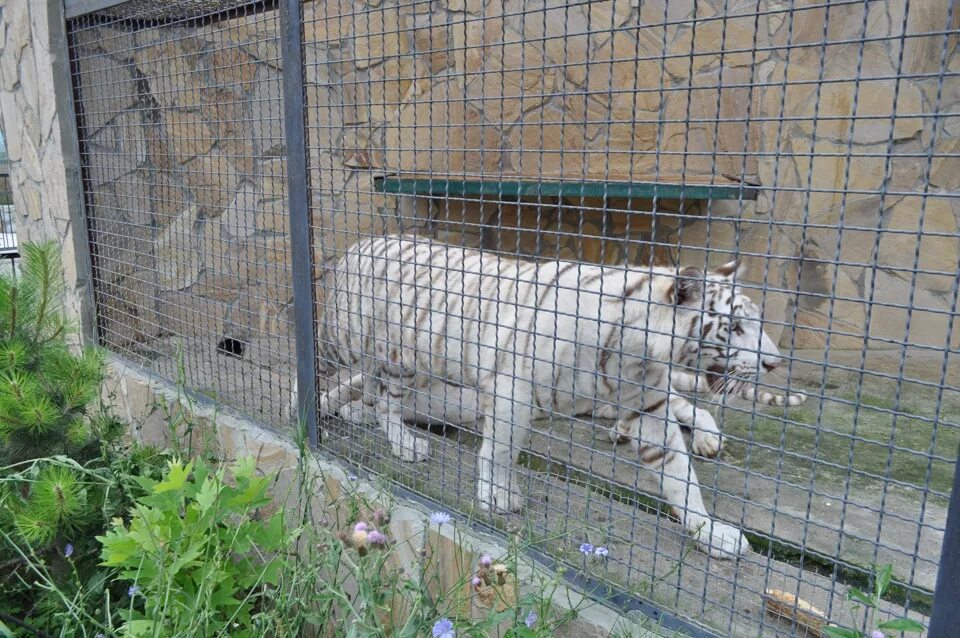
(185, 155)
(670, 91)
(37, 135)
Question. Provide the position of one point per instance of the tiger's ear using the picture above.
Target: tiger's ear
(731, 268)
(688, 287)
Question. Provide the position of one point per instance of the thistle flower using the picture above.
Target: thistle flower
(361, 527)
(531, 619)
(439, 518)
(476, 581)
(486, 560)
(443, 628)
(376, 538)
(381, 517)
(877, 634)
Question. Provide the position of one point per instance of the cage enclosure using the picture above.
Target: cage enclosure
(815, 143)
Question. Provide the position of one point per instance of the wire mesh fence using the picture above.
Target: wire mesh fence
(677, 291)
(180, 115)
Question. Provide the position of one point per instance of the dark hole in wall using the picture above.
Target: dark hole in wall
(231, 347)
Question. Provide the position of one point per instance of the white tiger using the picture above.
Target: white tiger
(402, 313)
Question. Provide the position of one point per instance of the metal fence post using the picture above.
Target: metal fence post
(303, 302)
(943, 620)
(67, 108)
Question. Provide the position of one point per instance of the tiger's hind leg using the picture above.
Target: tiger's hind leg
(404, 443)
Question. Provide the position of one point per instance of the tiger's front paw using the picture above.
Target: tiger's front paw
(411, 448)
(499, 499)
(617, 437)
(358, 413)
(706, 443)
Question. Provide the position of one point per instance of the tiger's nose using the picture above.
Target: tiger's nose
(770, 366)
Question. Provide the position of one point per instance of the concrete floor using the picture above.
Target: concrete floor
(826, 490)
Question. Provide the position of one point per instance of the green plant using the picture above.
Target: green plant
(870, 603)
(197, 554)
(45, 389)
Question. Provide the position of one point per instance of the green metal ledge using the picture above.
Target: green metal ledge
(440, 186)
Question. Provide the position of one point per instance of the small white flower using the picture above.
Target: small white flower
(439, 518)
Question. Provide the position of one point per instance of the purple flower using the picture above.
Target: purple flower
(351, 477)
(878, 634)
(586, 548)
(601, 551)
(476, 581)
(531, 620)
(361, 527)
(133, 591)
(486, 560)
(376, 538)
(68, 550)
(99, 636)
(443, 628)
(439, 518)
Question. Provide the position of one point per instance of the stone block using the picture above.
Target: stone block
(327, 22)
(929, 316)
(273, 216)
(452, 139)
(178, 251)
(191, 316)
(122, 247)
(378, 34)
(172, 69)
(617, 78)
(232, 68)
(213, 180)
(133, 197)
(239, 218)
(129, 311)
(824, 166)
(945, 170)
(393, 83)
(937, 242)
(107, 88)
(273, 178)
(188, 135)
(266, 114)
(431, 39)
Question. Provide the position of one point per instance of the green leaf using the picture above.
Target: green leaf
(177, 476)
(901, 624)
(884, 574)
(207, 495)
(840, 632)
(188, 556)
(5, 631)
(855, 594)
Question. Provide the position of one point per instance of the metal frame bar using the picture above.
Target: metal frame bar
(77, 8)
(291, 20)
(946, 611)
(66, 103)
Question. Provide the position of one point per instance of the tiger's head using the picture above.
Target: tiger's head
(728, 340)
